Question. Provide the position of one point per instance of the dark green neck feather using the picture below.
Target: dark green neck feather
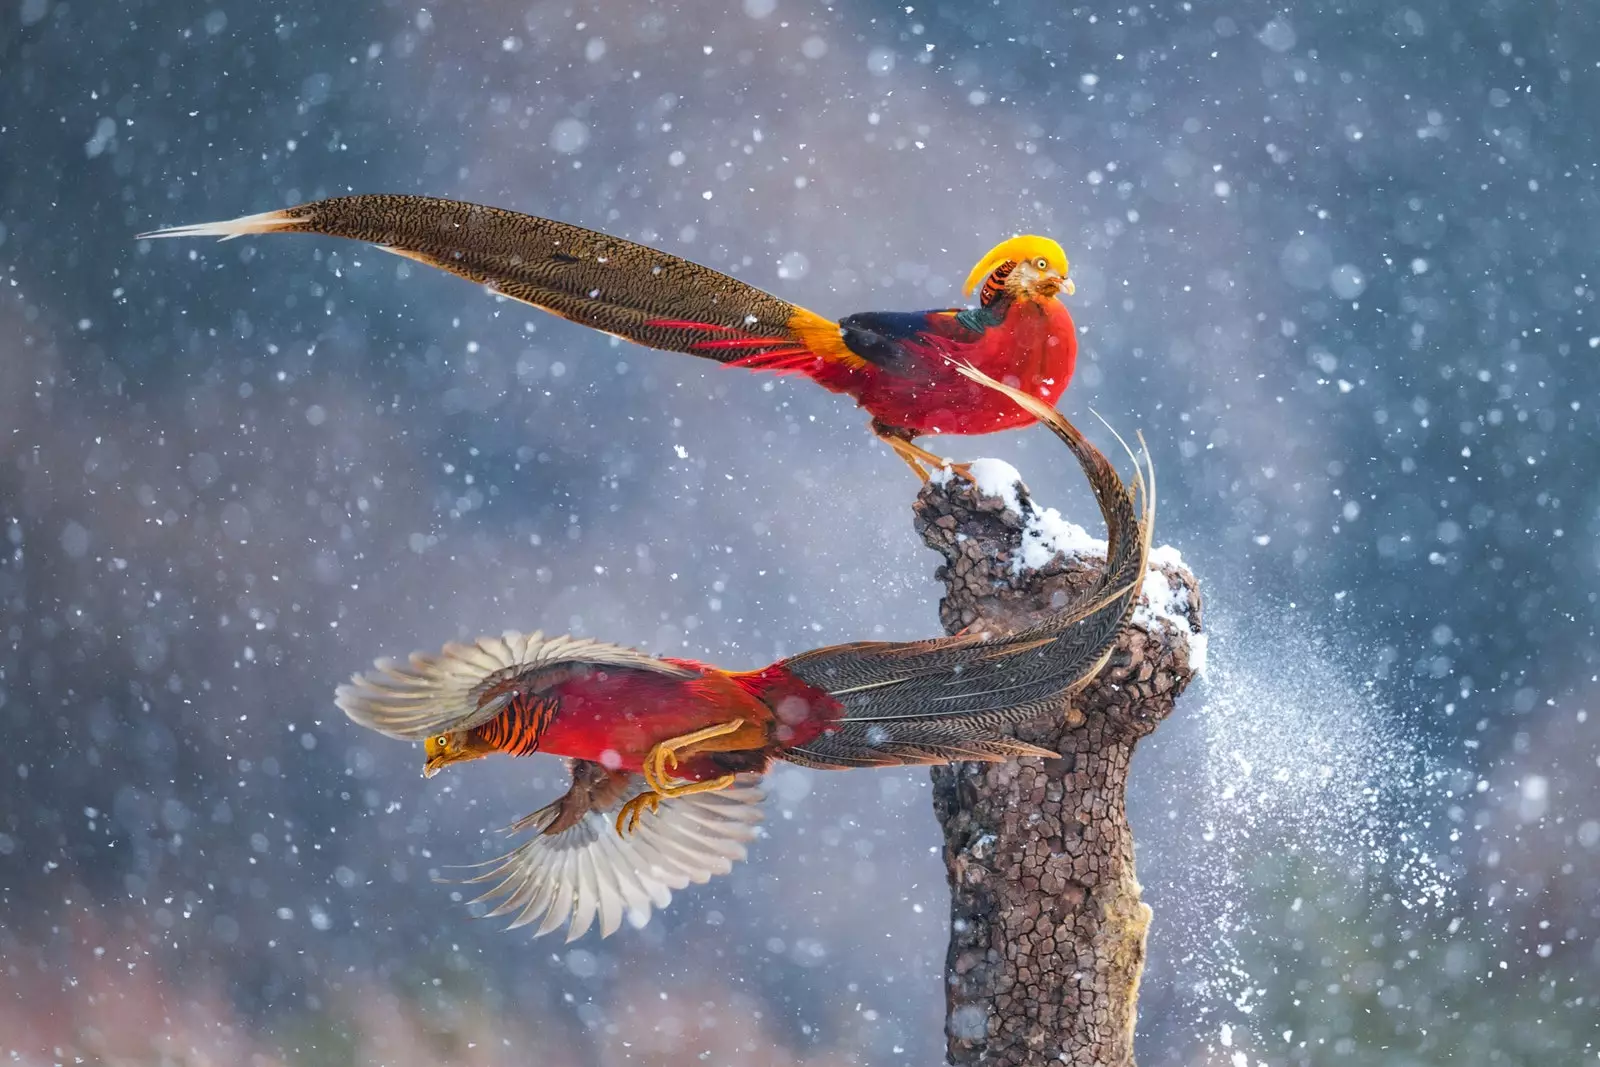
(979, 319)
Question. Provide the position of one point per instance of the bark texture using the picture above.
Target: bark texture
(1047, 931)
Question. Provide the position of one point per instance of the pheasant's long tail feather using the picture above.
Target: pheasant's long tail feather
(927, 747)
(630, 290)
(245, 225)
(900, 698)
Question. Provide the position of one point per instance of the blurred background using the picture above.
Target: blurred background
(1333, 261)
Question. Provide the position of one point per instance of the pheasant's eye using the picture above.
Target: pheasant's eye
(1042, 264)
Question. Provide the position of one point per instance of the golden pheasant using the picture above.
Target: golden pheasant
(899, 366)
(666, 753)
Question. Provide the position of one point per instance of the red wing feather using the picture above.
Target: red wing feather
(783, 355)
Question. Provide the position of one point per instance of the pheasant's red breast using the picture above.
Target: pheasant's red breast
(1033, 348)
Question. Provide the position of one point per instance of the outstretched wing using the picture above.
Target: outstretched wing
(434, 693)
(631, 290)
(588, 872)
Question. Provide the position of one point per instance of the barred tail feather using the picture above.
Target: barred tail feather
(870, 751)
(623, 288)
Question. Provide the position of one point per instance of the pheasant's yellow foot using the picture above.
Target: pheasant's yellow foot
(683, 789)
(960, 470)
(916, 457)
(664, 755)
(633, 810)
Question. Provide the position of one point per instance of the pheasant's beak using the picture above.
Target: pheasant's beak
(438, 757)
(1050, 283)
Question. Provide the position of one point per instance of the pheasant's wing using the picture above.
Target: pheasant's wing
(899, 342)
(631, 290)
(435, 693)
(587, 871)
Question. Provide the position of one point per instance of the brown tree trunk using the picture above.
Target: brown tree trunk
(1047, 930)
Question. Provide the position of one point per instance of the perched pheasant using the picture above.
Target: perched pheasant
(899, 366)
(667, 753)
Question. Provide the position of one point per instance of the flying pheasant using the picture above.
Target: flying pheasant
(899, 366)
(666, 753)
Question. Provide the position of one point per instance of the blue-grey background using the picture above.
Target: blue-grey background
(1335, 262)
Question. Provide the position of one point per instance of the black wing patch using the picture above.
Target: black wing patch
(880, 337)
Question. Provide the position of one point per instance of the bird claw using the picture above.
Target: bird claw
(656, 770)
(666, 761)
(657, 767)
(664, 756)
(921, 461)
(633, 811)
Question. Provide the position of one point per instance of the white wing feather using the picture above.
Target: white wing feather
(433, 693)
(589, 872)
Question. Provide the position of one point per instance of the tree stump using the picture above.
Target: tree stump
(1047, 928)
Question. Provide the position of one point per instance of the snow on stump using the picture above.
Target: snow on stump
(1047, 929)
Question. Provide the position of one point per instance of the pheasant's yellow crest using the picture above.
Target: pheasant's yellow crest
(1019, 250)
